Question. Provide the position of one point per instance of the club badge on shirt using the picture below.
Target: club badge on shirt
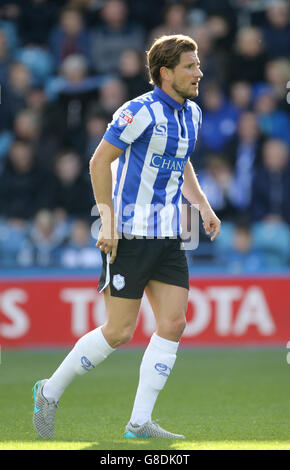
(126, 117)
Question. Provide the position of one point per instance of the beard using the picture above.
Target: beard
(185, 94)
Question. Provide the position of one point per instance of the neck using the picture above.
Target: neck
(172, 93)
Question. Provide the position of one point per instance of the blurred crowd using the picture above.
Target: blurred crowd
(66, 66)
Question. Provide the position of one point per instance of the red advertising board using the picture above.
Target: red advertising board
(221, 311)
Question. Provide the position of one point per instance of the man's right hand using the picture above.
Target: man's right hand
(108, 242)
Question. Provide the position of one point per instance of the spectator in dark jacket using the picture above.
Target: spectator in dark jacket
(244, 153)
(95, 127)
(21, 184)
(277, 29)
(66, 114)
(28, 127)
(112, 94)
(131, 69)
(70, 190)
(36, 20)
(248, 60)
(218, 182)
(14, 94)
(70, 36)
(241, 95)
(271, 188)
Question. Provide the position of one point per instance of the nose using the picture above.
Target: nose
(200, 74)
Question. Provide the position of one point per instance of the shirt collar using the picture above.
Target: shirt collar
(165, 97)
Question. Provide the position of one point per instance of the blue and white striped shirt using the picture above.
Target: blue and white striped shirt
(157, 135)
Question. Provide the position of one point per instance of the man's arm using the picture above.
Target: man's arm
(194, 194)
(101, 178)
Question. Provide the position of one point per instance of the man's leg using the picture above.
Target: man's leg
(89, 351)
(121, 319)
(169, 305)
(95, 346)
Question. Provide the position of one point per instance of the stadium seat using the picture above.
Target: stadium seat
(224, 241)
(38, 60)
(274, 240)
(12, 239)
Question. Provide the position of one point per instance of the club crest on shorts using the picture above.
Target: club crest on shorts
(118, 281)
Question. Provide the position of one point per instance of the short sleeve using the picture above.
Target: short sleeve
(128, 124)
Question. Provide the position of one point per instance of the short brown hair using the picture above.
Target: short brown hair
(165, 52)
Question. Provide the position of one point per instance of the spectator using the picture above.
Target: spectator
(8, 24)
(114, 35)
(272, 121)
(175, 21)
(247, 62)
(277, 75)
(131, 71)
(74, 69)
(66, 114)
(95, 127)
(39, 61)
(242, 256)
(5, 57)
(211, 7)
(13, 239)
(241, 95)
(14, 94)
(6, 116)
(44, 241)
(222, 31)
(112, 95)
(270, 188)
(141, 12)
(243, 152)
(277, 29)
(21, 183)
(219, 120)
(36, 21)
(218, 183)
(28, 126)
(212, 62)
(90, 10)
(70, 36)
(70, 190)
(36, 100)
(80, 251)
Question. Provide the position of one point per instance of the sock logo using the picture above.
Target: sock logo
(162, 369)
(86, 363)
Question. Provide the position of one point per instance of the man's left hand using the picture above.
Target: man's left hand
(211, 223)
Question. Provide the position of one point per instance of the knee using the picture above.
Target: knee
(125, 336)
(173, 329)
(117, 337)
(179, 325)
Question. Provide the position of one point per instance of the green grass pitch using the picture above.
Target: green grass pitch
(219, 398)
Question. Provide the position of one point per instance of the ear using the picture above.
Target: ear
(164, 73)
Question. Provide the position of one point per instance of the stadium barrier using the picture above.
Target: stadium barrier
(221, 311)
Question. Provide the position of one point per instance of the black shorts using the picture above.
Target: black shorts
(140, 260)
